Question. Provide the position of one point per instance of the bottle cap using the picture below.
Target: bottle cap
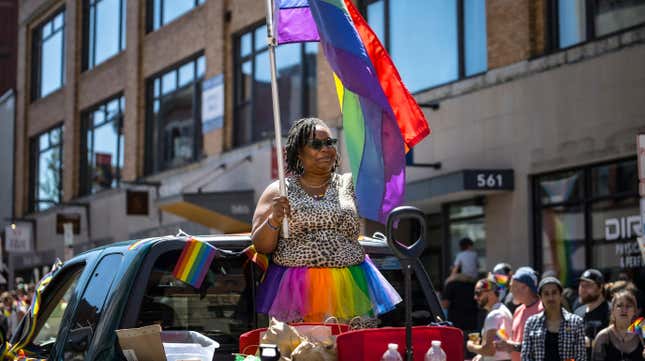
(392, 346)
(436, 343)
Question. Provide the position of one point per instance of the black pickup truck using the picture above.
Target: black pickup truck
(130, 284)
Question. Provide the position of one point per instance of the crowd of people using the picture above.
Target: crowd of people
(15, 304)
(531, 318)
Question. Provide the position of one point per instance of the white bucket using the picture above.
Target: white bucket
(188, 345)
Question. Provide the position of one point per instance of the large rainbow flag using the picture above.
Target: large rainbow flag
(194, 261)
(382, 121)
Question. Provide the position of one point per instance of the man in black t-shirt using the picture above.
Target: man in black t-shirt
(595, 309)
(458, 298)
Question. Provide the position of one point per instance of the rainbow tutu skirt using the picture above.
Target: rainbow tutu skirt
(315, 294)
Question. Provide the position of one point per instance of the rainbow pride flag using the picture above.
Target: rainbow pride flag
(501, 280)
(636, 327)
(194, 262)
(501, 333)
(382, 121)
(256, 257)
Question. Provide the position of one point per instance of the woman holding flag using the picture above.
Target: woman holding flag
(320, 270)
(623, 339)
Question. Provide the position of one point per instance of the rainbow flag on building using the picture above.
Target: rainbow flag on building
(382, 121)
(194, 262)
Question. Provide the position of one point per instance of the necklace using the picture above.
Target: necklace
(302, 181)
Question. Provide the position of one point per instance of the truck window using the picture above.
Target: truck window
(55, 301)
(222, 309)
(90, 307)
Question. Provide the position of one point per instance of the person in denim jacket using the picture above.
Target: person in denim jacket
(554, 334)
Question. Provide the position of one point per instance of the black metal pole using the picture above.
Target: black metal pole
(409, 352)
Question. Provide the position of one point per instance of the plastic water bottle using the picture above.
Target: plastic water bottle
(392, 353)
(435, 353)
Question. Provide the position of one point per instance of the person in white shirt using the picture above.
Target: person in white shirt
(497, 325)
(466, 267)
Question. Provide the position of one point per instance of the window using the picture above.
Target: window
(48, 57)
(47, 168)
(296, 72)
(588, 217)
(577, 21)
(90, 307)
(447, 36)
(466, 219)
(104, 30)
(102, 146)
(56, 297)
(221, 309)
(161, 12)
(174, 116)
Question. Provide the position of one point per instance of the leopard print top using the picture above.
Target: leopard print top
(324, 232)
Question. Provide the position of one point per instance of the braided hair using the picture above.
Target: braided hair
(301, 132)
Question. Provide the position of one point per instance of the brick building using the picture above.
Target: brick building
(535, 105)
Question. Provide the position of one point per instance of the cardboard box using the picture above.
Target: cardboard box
(142, 344)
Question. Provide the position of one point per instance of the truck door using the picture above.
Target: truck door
(90, 308)
(38, 336)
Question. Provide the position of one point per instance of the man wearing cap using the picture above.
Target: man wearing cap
(524, 284)
(496, 325)
(595, 309)
(554, 334)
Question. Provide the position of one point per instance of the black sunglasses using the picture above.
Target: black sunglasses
(318, 144)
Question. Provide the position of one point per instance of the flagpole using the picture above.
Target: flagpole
(276, 110)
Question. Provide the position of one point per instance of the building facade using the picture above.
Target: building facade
(138, 118)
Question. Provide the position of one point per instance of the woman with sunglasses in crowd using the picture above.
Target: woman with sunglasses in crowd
(320, 270)
(615, 342)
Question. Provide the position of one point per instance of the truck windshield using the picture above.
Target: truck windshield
(221, 309)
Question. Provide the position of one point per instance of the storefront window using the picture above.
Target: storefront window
(47, 168)
(174, 116)
(103, 146)
(467, 220)
(563, 246)
(296, 72)
(588, 217)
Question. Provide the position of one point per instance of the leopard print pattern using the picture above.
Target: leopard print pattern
(324, 232)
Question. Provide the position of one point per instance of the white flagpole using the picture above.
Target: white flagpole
(276, 109)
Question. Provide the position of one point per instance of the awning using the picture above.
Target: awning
(229, 212)
(463, 184)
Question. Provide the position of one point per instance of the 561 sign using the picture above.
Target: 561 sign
(488, 179)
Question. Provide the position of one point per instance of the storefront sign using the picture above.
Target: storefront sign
(488, 179)
(213, 103)
(18, 238)
(630, 248)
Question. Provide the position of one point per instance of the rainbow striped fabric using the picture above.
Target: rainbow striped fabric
(501, 280)
(194, 262)
(501, 333)
(382, 121)
(636, 327)
(256, 257)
